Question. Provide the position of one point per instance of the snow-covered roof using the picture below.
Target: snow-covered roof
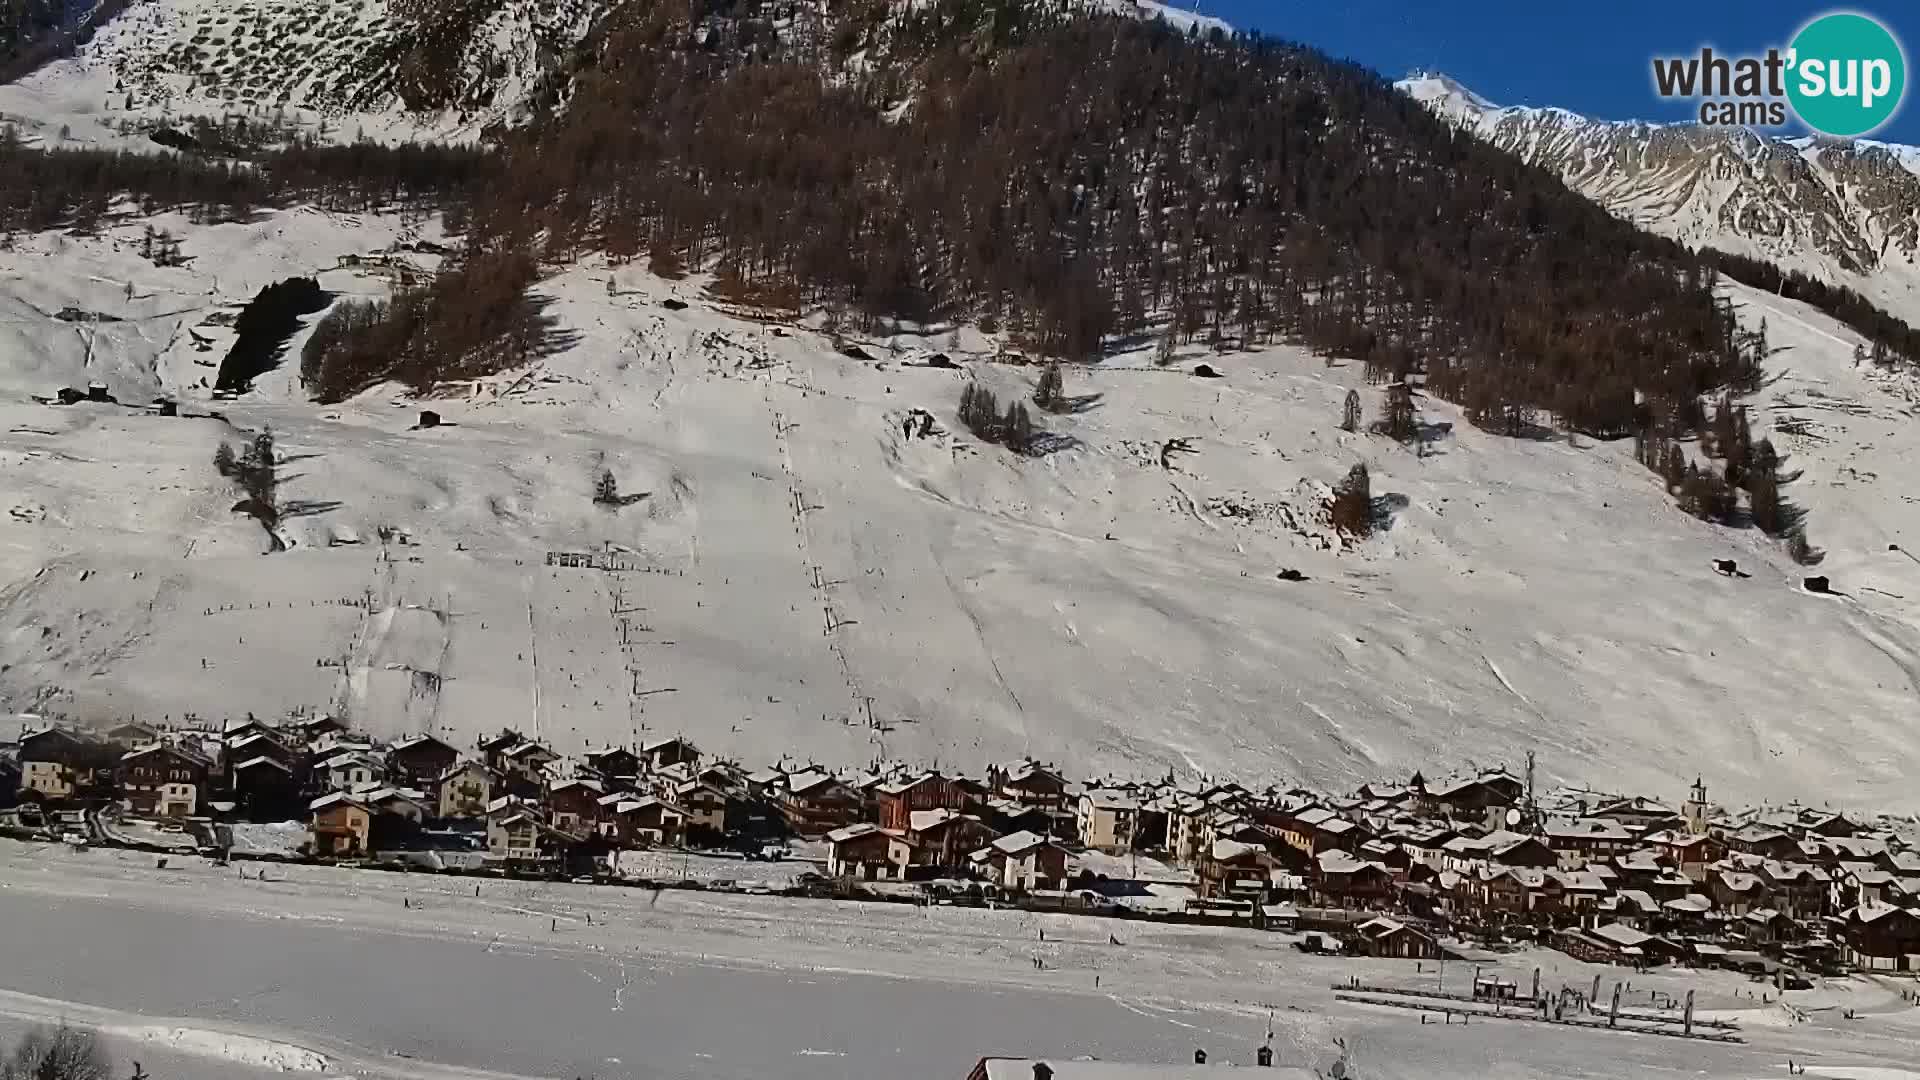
(1111, 799)
(1623, 935)
(333, 799)
(1875, 911)
(1339, 862)
(1579, 881)
(1229, 850)
(412, 741)
(256, 762)
(1640, 899)
(1018, 842)
(1380, 926)
(924, 820)
(1587, 829)
(801, 783)
(850, 832)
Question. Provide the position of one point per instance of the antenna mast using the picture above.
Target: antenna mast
(1533, 808)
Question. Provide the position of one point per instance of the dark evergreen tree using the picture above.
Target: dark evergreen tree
(1350, 414)
(1016, 429)
(1051, 395)
(259, 477)
(1739, 449)
(1353, 503)
(1674, 469)
(1399, 422)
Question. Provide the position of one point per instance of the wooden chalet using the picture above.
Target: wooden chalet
(163, 780)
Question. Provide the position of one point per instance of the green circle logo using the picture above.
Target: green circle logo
(1848, 75)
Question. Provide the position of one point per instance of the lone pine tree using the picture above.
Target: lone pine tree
(1353, 503)
(1401, 423)
(606, 491)
(1051, 394)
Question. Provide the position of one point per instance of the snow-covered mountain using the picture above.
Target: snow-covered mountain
(1846, 212)
(389, 69)
(812, 571)
(804, 561)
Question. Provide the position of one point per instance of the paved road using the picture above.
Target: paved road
(570, 1012)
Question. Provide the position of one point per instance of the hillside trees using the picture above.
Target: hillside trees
(1236, 192)
(981, 414)
(1400, 421)
(1892, 337)
(256, 471)
(1051, 393)
(1353, 503)
(56, 1053)
(476, 317)
(1086, 183)
(263, 328)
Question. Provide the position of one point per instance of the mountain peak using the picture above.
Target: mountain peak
(1437, 88)
(1841, 211)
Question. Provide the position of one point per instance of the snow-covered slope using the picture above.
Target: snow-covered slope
(343, 69)
(1844, 212)
(382, 68)
(801, 564)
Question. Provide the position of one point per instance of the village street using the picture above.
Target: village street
(414, 976)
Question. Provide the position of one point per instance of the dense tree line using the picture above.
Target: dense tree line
(1893, 338)
(1749, 467)
(980, 413)
(475, 317)
(60, 187)
(1084, 182)
(263, 328)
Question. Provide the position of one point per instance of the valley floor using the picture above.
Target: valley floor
(414, 977)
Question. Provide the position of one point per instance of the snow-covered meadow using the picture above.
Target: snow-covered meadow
(803, 564)
(415, 977)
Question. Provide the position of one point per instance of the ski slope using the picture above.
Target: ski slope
(806, 580)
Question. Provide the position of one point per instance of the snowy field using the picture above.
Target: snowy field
(799, 565)
(330, 968)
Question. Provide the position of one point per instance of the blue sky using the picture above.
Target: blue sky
(1590, 57)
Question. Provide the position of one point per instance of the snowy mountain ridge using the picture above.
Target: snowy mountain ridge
(1844, 212)
(386, 69)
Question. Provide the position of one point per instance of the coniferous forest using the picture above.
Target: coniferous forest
(1085, 184)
